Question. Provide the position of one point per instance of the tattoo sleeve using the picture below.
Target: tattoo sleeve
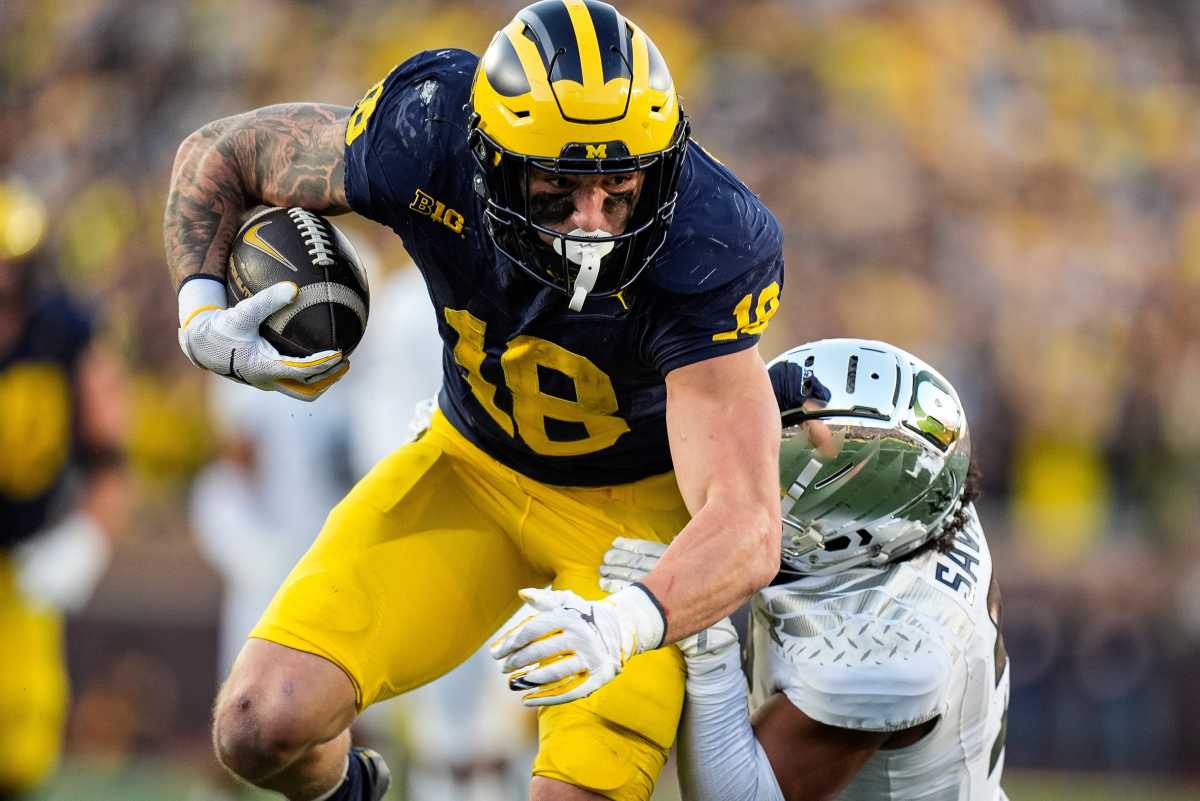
(285, 155)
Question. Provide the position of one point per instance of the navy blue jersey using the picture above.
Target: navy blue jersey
(569, 398)
(37, 414)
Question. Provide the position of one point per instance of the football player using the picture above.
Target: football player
(64, 492)
(876, 657)
(600, 284)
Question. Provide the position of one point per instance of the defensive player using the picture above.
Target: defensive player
(64, 492)
(878, 667)
(600, 284)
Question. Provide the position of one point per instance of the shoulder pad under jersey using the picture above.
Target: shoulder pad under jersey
(903, 687)
(409, 130)
(721, 230)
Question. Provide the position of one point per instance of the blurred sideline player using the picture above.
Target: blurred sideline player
(64, 492)
(878, 667)
(257, 508)
(600, 287)
(465, 735)
(251, 523)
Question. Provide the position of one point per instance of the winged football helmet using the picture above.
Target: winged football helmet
(571, 86)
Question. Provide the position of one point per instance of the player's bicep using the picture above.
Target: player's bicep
(724, 430)
(299, 156)
(811, 760)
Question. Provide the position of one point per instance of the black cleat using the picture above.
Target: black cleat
(376, 776)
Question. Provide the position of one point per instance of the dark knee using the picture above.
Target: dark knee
(276, 705)
(254, 735)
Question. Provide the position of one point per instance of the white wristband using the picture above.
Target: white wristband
(199, 293)
(638, 607)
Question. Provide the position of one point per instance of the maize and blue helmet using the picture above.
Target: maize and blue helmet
(572, 86)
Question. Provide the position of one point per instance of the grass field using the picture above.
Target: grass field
(146, 781)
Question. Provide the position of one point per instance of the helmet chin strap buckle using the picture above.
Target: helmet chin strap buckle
(587, 255)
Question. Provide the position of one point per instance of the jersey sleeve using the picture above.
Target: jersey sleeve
(396, 137)
(690, 327)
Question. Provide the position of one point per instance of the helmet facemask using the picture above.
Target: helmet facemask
(520, 232)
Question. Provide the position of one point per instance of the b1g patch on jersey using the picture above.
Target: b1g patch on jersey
(427, 205)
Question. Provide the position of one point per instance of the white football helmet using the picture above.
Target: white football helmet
(874, 456)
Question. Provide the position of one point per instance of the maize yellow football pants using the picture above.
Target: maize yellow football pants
(33, 688)
(421, 563)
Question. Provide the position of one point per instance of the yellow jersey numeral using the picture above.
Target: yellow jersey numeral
(595, 400)
(362, 112)
(768, 304)
(469, 354)
(35, 427)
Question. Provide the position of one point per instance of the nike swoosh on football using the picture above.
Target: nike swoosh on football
(255, 240)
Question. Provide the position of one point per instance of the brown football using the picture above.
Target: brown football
(330, 312)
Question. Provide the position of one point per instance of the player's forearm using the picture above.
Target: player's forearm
(719, 757)
(285, 155)
(727, 551)
(206, 200)
(723, 424)
(107, 498)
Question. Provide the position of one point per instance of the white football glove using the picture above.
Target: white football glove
(61, 567)
(227, 341)
(573, 647)
(629, 560)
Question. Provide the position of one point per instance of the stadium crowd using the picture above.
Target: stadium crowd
(1008, 188)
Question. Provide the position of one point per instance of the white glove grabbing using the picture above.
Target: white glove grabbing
(573, 647)
(227, 341)
(629, 560)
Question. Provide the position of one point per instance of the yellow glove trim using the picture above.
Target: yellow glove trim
(560, 687)
(330, 357)
(317, 387)
(197, 311)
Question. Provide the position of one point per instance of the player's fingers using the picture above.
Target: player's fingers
(621, 573)
(338, 367)
(537, 627)
(640, 546)
(565, 690)
(548, 648)
(548, 672)
(509, 632)
(249, 313)
(619, 558)
(611, 585)
(552, 645)
(569, 688)
(302, 367)
(520, 680)
(544, 600)
(311, 390)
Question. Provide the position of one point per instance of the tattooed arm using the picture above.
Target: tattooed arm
(285, 155)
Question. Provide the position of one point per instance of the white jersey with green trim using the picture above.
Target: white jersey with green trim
(885, 649)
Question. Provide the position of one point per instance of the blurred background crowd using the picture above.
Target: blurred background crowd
(1008, 188)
